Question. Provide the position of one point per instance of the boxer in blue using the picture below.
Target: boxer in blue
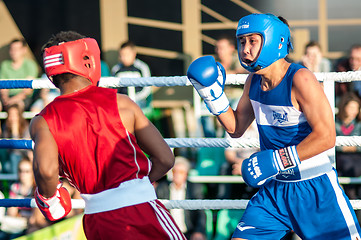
(298, 187)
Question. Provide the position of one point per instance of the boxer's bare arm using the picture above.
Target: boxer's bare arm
(45, 163)
(148, 137)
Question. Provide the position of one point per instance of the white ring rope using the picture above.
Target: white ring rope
(213, 142)
(339, 76)
(144, 81)
(42, 83)
(239, 179)
(193, 142)
(235, 79)
(180, 204)
(243, 142)
(205, 204)
(195, 204)
(221, 204)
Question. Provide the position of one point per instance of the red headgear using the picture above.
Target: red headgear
(80, 57)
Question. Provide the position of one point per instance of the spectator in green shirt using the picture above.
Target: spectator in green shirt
(18, 67)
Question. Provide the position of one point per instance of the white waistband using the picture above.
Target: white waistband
(309, 168)
(128, 193)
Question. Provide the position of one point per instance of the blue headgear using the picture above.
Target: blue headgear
(276, 39)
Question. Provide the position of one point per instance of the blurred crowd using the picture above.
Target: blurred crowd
(18, 105)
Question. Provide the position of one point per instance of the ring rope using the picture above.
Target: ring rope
(180, 142)
(200, 143)
(239, 179)
(339, 76)
(113, 82)
(192, 142)
(169, 204)
(243, 142)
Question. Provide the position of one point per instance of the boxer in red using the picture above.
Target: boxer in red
(97, 138)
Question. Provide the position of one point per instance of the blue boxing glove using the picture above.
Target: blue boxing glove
(264, 165)
(208, 77)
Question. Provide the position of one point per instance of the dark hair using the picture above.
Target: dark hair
(63, 36)
(355, 46)
(26, 159)
(346, 98)
(127, 44)
(312, 44)
(22, 120)
(229, 38)
(283, 20)
(21, 40)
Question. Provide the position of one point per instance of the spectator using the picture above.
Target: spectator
(46, 95)
(192, 223)
(347, 157)
(232, 166)
(130, 66)
(16, 126)
(313, 59)
(226, 54)
(18, 67)
(352, 63)
(105, 70)
(16, 220)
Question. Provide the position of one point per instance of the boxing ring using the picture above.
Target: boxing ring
(328, 80)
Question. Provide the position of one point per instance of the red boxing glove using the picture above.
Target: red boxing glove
(56, 207)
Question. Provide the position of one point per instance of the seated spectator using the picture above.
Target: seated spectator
(313, 59)
(46, 95)
(130, 66)
(17, 217)
(192, 223)
(232, 166)
(226, 54)
(352, 63)
(16, 127)
(348, 157)
(105, 70)
(18, 67)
